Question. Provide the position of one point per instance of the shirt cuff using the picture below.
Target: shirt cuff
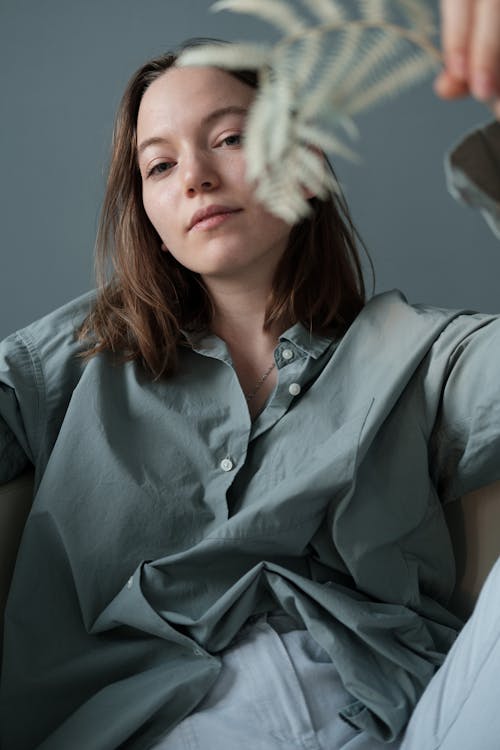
(473, 172)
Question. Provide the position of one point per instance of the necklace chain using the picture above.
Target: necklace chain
(260, 383)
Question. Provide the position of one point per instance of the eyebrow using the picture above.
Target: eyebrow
(208, 120)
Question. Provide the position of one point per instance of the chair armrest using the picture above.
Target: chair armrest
(16, 498)
(474, 524)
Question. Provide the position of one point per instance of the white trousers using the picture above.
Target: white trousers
(278, 690)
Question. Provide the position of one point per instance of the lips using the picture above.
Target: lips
(206, 213)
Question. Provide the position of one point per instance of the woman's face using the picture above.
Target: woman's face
(189, 132)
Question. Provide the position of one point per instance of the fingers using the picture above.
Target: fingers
(449, 87)
(456, 22)
(484, 65)
(471, 47)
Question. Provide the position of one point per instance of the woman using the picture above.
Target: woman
(237, 535)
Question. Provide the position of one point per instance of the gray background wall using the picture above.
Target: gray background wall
(64, 64)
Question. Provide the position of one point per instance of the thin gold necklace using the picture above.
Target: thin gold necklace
(260, 383)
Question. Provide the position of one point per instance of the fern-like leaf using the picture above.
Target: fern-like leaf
(380, 48)
(276, 12)
(258, 125)
(404, 74)
(310, 171)
(279, 134)
(354, 54)
(309, 57)
(326, 10)
(341, 60)
(227, 56)
(326, 141)
(374, 10)
(286, 198)
(419, 16)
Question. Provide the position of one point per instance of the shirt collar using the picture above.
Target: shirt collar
(311, 344)
(207, 343)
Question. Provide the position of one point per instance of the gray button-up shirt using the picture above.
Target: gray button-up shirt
(164, 517)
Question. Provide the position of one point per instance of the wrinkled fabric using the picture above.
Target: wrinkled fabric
(164, 517)
(277, 690)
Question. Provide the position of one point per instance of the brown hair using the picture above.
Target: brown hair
(146, 298)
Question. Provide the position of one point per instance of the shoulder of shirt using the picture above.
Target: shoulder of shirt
(68, 317)
(64, 321)
(393, 303)
(392, 308)
(391, 318)
(51, 340)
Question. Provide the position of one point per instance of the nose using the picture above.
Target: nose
(200, 174)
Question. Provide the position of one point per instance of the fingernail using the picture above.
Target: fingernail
(483, 85)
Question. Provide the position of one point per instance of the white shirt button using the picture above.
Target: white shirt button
(287, 354)
(294, 389)
(226, 464)
(130, 582)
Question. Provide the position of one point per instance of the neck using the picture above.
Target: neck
(239, 315)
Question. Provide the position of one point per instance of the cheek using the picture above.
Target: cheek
(270, 224)
(158, 213)
(148, 206)
(233, 170)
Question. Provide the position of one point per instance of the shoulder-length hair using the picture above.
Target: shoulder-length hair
(146, 299)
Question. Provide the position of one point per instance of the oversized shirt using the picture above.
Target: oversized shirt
(164, 517)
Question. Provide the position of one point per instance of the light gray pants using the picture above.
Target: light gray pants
(277, 690)
(460, 709)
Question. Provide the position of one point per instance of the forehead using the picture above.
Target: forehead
(183, 96)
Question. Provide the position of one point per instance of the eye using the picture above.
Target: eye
(161, 167)
(234, 139)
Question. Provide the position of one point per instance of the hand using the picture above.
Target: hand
(471, 46)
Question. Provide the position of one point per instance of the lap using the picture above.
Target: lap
(277, 689)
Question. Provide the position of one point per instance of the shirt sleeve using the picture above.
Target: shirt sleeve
(465, 443)
(19, 402)
(40, 367)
